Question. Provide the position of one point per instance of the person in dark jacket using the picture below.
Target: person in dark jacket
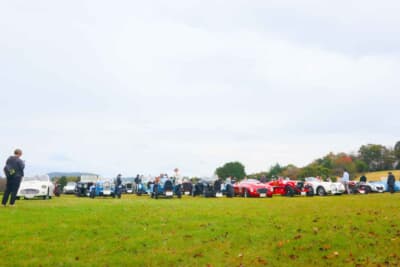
(14, 171)
(118, 186)
(363, 178)
(390, 182)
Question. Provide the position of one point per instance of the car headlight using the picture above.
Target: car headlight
(44, 186)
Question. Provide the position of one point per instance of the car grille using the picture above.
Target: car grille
(262, 190)
(29, 191)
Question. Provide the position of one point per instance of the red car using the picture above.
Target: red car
(290, 188)
(252, 188)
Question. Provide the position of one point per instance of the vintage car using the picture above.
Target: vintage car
(128, 185)
(36, 186)
(285, 187)
(252, 188)
(213, 189)
(323, 188)
(187, 188)
(376, 187)
(69, 188)
(82, 189)
(105, 188)
(383, 184)
(163, 188)
(366, 188)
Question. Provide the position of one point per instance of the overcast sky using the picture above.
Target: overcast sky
(146, 86)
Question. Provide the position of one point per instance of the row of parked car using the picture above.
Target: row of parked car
(41, 186)
(218, 188)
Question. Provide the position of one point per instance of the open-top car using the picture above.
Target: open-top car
(366, 187)
(383, 184)
(187, 188)
(36, 186)
(163, 188)
(252, 188)
(323, 188)
(290, 188)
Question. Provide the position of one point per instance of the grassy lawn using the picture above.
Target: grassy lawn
(345, 230)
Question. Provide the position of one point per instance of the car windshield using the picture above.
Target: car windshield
(71, 184)
(37, 178)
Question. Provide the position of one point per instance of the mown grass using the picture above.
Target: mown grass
(137, 231)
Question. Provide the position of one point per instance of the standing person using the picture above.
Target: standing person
(138, 182)
(118, 185)
(178, 184)
(390, 182)
(346, 180)
(14, 171)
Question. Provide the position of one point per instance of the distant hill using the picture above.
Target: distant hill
(68, 174)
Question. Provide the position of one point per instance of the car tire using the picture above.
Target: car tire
(46, 197)
(310, 192)
(321, 191)
(289, 192)
(368, 190)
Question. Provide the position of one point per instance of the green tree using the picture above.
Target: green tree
(372, 154)
(275, 170)
(361, 166)
(313, 170)
(397, 150)
(62, 181)
(291, 171)
(234, 169)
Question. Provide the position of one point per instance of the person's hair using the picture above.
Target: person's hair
(390, 172)
(17, 152)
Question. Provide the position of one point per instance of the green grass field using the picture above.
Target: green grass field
(361, 230)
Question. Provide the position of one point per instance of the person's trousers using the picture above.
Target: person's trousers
(11, 189)
(391, 188)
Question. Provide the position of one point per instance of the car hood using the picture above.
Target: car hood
(32, 184)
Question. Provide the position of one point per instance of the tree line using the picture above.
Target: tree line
(368, 158)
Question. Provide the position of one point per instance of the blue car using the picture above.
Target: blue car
(384, 184)
(102, 189)
(164, 188)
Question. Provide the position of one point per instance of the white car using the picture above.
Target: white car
(69, 188)
(376, 187)
(36, 186)
(322, 188)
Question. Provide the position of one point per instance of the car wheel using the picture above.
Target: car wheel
(321, 191)
(367, 190)
(310, 192)
(47, 196)
(289, 191)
